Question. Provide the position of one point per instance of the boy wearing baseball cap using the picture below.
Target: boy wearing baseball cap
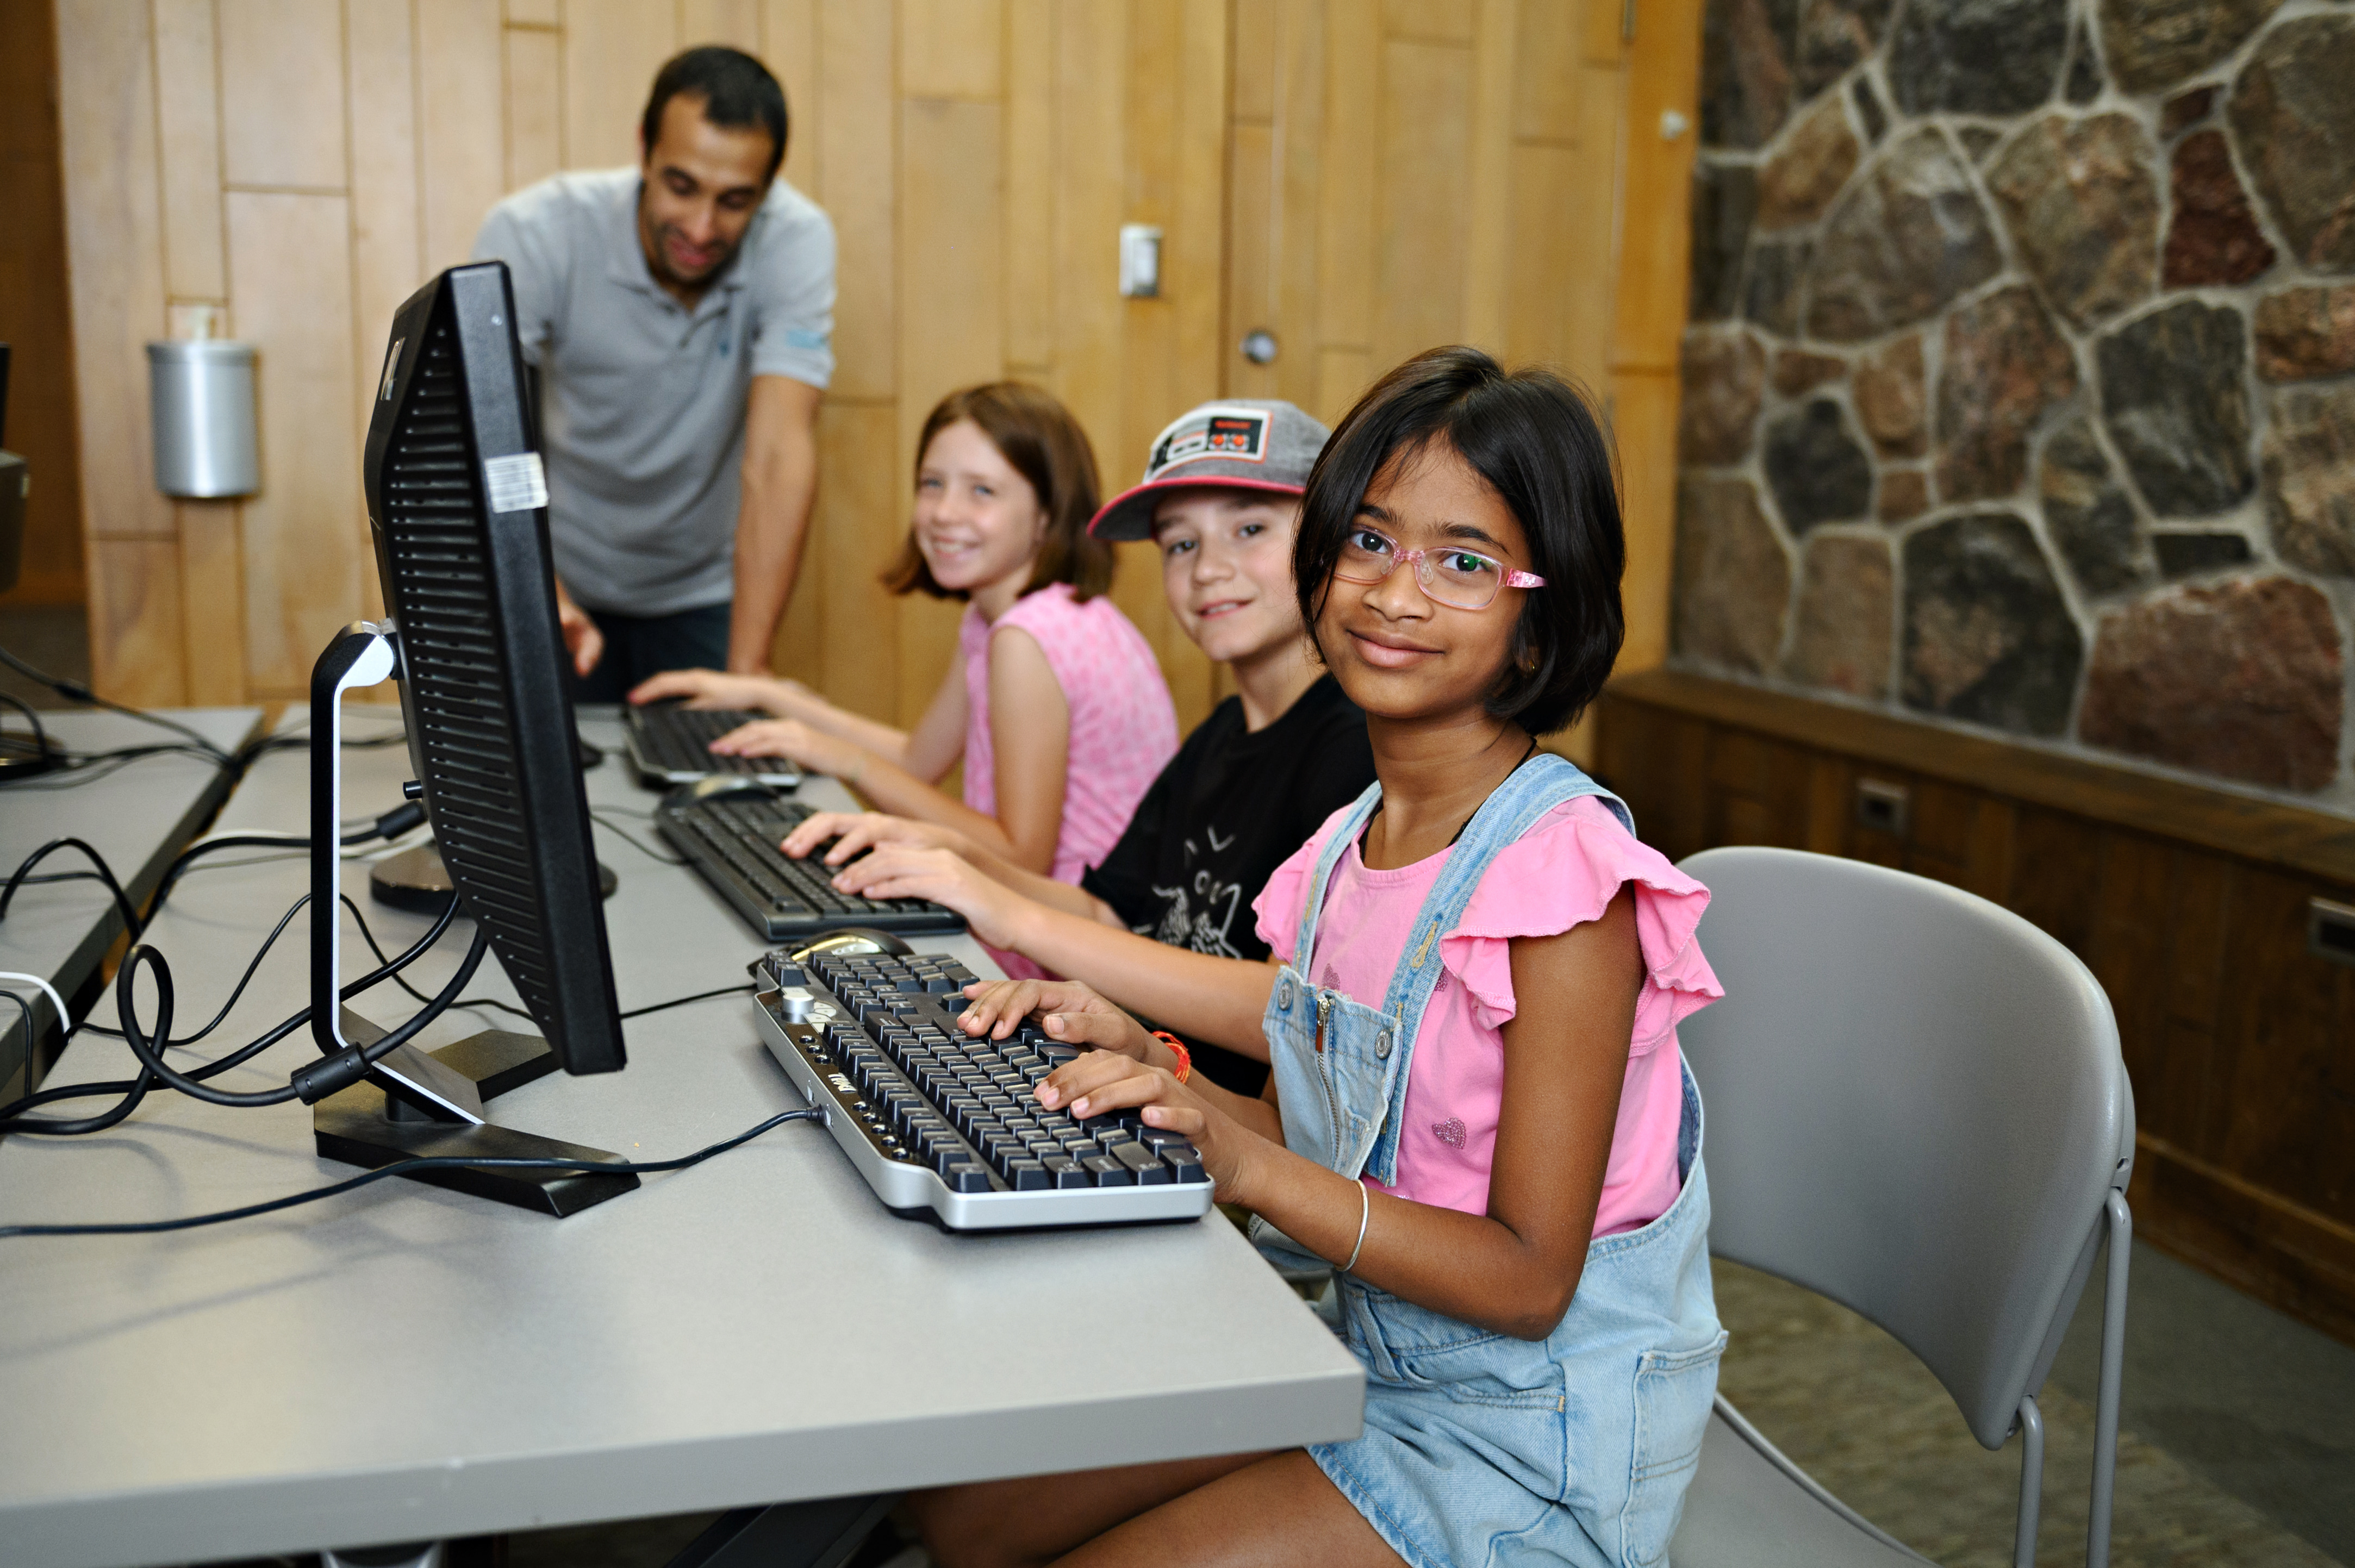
(1151, 923)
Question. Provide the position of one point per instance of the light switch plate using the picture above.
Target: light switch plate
(1140, 261)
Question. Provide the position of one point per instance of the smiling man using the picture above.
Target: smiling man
(680, 316)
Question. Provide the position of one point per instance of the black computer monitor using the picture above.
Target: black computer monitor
(457, 503)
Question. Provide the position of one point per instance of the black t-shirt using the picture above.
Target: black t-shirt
(1229, 807)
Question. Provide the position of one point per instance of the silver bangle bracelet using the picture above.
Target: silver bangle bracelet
(1365, 1212)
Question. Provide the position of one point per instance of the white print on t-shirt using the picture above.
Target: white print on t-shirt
(1206, 931)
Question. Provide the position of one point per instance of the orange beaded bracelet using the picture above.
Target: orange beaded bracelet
(1185, 1057)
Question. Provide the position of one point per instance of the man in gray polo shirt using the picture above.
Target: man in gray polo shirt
(680, 316)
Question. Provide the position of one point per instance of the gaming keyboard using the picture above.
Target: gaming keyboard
(937, 1120)
(671, 743)
(729, 829)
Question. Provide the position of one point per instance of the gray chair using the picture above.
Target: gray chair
(1916, 1107)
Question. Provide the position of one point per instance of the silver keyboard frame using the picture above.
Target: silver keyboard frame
(906, 1186)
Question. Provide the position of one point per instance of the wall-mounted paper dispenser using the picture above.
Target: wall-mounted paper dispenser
(201, 394)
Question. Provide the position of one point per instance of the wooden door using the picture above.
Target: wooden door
(1410, 173)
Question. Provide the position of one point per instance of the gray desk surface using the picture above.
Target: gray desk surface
(403, 1361)
(137, 815)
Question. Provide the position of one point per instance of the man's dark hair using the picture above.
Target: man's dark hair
(1534, 438)
(737, 94)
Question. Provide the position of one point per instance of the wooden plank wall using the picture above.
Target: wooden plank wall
(1365, 179)
(33, 313)
(2235, 1034)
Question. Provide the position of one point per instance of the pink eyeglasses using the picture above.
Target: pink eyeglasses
(1459, 578)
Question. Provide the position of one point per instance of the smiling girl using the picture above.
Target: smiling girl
(1055, 703)
(1478, 1118)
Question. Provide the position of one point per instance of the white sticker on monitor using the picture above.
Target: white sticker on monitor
(517, 484)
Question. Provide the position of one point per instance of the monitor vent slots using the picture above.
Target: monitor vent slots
(452, 645)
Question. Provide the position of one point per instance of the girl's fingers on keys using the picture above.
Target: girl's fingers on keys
(1102, 1031)
(866, 830)
(1000, 1005)
(1129, 1086)
(817, 829)
(1188, 1122)
(1087, 1078)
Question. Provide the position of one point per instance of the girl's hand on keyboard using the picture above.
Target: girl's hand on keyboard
(914, 871)
(1107, 1081)
(790, 739)
(1074, 1015)
(858, 831)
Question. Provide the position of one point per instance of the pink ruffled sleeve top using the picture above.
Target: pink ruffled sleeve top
(1124, 728)
(1563, 872)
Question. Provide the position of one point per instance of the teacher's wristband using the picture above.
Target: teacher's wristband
(1185, 1057)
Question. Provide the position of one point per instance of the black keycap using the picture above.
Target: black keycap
(1108, 1171)
(1184, 1161)
(1067, 1171)
(1111, 1138)
(1152, 1137)
(1149, 1172)
(967, 1178)
(1027, 1176)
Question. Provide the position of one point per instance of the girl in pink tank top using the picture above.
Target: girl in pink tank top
(1055, 703)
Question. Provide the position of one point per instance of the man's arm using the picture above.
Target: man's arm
(780, 481)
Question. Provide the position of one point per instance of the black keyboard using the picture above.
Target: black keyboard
(729, 829)
(937, 1120)
(669, 743)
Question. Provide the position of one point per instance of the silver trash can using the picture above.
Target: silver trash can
(202, 399)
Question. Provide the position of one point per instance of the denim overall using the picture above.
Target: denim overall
(1480, 1449)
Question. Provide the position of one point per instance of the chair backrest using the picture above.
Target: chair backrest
(1916, 1107)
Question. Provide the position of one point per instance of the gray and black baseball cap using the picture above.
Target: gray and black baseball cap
(1240, 442)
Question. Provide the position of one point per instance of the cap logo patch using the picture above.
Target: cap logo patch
(1234, 434)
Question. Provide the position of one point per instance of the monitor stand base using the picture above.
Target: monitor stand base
(364, 1126)
(417, 881)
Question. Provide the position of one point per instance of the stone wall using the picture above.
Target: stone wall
(2020, 387)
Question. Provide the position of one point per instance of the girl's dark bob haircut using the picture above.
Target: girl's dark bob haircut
(1534, 438)
(1039, 439)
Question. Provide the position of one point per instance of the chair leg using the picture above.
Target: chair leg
(2106, 1398)
(2032, 1482)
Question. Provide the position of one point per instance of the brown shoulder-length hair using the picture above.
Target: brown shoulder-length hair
(1036, 436)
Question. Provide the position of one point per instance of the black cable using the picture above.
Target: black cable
(391, 825)
(40, 737)
(683, 1001)
(403, 1168)
(311, 1082)
(510, 1007)
(129, 911)
(12, 1116)
(236, 992)
(74, 691)
(633, 840)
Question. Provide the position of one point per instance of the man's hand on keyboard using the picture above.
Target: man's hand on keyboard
(858, 831)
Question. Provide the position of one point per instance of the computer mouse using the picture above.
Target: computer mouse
(591, 756)
(851, 942)
(728, 786)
